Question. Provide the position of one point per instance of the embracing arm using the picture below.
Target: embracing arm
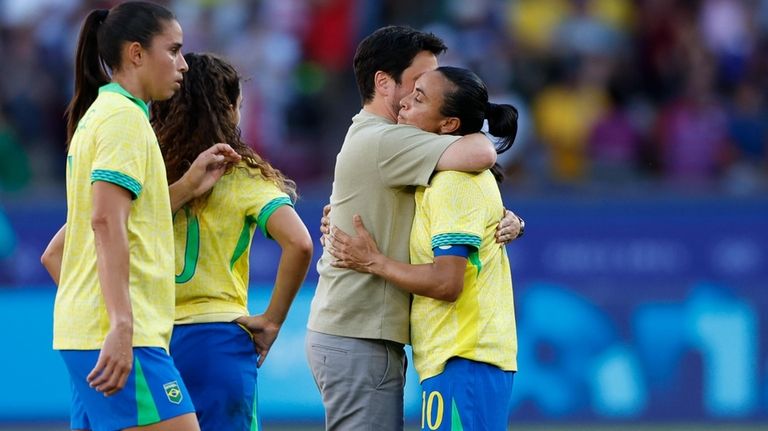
(289, 231)
(443, 279)
(471, 153)
(111, 208)
(51, 258)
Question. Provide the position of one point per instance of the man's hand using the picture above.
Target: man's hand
(325, 225)
(263, 331)
(510, 228)
(356, 253)
(115, 361)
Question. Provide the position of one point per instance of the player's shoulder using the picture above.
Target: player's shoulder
(247, 179)
(453, 177)
(455, 184)
(403, 132)
(121, 115)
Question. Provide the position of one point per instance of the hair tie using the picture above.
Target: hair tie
(102, 15)
(488, 108)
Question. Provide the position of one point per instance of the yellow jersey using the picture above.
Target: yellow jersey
(463, 209)
(114, 142)
(213, 242)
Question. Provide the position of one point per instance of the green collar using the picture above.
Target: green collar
(114, 87)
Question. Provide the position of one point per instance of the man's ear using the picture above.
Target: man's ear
(449, 125)
(382, 82)
(135, 53)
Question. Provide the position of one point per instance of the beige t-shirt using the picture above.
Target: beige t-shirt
(377, 171)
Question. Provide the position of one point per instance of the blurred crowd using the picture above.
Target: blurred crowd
(614, 95)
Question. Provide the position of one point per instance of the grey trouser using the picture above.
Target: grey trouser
(361, 381)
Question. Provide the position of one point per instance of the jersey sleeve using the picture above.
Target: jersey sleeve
(121, 150)
(263, 197)
(407, 155)
(457, 214)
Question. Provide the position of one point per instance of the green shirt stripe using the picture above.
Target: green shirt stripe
(118, 178)
(474, 259)
(192, 247)
(242, 242)
(267, 211)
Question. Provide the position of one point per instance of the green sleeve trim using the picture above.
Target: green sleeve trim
(118, 178)
(146, 409)
(456, 239)
(267, 211)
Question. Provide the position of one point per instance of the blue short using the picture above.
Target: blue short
(218, 364)
(467, 395)
(153, 393)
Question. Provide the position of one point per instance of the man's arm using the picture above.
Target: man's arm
(472, 153)
(443, 279)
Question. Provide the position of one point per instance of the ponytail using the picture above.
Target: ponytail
(102, 37)
(502, 123)
(90, 72)
(468, 101)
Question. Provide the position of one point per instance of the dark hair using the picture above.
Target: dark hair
(391, 50)
(200, 115)
(99, 48)
(468, 101)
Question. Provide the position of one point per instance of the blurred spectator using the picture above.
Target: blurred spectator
(534, 22)
(555, 56)
(693, 130)
(565, 113)
(748, 132)
(660, 50)
(728, 35)
(14, 164)
(614, 144)
(585, 34)
(7, 238)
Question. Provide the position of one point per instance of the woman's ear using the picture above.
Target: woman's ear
(135, 53)
(449, 125)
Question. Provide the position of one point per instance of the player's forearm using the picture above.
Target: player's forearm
(430, 280)
(181, 192)
(53, 254)
(293, 267)
(112, 259)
